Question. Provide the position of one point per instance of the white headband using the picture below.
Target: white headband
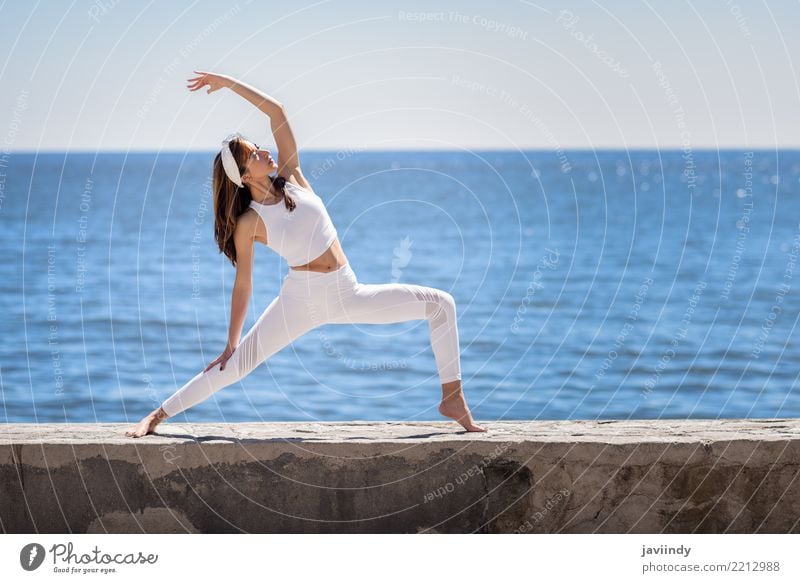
(228, 161)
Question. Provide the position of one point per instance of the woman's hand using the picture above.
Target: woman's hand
(213, 81)
(222, 358)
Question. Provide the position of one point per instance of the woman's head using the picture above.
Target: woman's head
(258, 165)
(244, 163)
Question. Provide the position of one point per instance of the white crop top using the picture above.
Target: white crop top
(301, 235)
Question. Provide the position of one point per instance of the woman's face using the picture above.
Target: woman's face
(259, 165)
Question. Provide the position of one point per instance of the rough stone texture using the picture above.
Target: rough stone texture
(666, 476)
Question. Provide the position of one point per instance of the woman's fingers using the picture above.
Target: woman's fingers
(194, 85)
(196, 82)
(225, 359)
(220, 359)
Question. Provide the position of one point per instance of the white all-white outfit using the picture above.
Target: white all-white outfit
(308, 299)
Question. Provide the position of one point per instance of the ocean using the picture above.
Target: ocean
(589, 285)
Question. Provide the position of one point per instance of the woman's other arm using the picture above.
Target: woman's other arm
(244, 240)
(288, 158)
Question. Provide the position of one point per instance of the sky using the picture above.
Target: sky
(111, 74)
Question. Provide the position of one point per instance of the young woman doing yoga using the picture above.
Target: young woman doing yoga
(259, 199)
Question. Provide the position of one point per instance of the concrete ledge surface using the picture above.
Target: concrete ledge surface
(664, 476)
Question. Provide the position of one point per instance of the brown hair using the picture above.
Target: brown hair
(231, 201)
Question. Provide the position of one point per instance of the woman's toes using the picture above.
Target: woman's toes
(139, 430)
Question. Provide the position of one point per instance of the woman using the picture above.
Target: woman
(283, 212)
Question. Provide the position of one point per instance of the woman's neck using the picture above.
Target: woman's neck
(263, 193)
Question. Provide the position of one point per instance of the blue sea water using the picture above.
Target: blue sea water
(589, 285)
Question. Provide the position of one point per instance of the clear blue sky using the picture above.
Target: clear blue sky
(110, 75)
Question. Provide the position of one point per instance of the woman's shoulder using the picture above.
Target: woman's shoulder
(249, 226)
(247, 219)
(295, 178)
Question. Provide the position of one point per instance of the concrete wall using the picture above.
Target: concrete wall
(704, 476)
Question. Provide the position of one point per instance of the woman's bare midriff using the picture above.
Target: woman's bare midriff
(333, 258)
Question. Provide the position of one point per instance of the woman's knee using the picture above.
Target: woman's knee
(244, 359)
(228, 375)
(444, 306)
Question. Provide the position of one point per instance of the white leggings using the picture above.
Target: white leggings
(308, 299)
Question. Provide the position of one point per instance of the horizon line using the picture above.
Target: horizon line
(351, 151)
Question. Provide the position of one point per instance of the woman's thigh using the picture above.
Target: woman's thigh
(284, 320)
(381, 303)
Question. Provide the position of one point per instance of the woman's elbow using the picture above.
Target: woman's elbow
(243, 284)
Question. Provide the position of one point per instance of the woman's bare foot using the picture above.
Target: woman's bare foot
(454, 406)
(148, 424)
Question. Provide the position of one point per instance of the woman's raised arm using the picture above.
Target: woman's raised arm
(288, 159)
